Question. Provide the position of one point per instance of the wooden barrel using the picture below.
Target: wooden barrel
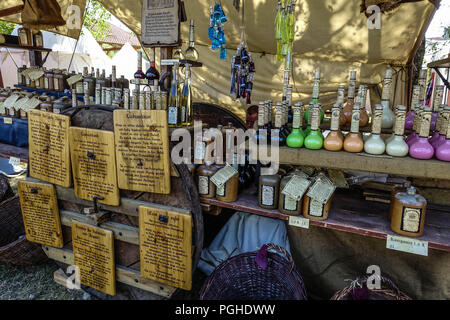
(183, 195)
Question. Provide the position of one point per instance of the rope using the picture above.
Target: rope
(242, 26)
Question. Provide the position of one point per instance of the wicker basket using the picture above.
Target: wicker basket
(241, 278)
(388, 291)
(14, 247)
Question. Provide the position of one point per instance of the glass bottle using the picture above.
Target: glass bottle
(268, 190)
(335, 139)
(375, 144)
(397, 146)
(408, 213)
(315, 210)
(416, 125)
(414, 102)
(276, 132)
(314, 141)
(388, 116)
(347, 109)
(152, 73)
(421, 148)
(353, 141)
(206, 189)
(191, 53)
(443, 150)
(25, 37)
(186, 100)
(363, 116)
(88, 84)
(295, 138)
(282, 109)
(174, 110)
(139, 75)
(438, 129)
(229, 191)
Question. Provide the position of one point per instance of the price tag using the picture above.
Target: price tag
(407, 245)
(7, 120)
(299, 222)
(223, 175)
(14, 161)
(322, 189)
(296, 187)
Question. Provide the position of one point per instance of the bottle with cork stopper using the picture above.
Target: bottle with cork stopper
(396, 146)
(388, 116)
(421, 148)
(375, 144)
(353, 141)
(335, 140)
(314, 140)
(347, 110)
(443, 150)
(295, 138)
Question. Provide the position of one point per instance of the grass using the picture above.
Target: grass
(33, 283)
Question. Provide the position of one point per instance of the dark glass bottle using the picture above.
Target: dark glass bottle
(139, 74)
(152, 73)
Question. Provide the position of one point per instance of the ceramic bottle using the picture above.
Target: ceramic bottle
(314, 140)
(295, 138)
(397, 146)
(388, 116)
(353, 141)
(375, 144)
(334, 141)
(421, 148)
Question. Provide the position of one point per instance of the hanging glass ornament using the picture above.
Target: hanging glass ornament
(284, 28)
(216, 31)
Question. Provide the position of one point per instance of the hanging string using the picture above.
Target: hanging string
(242, 26)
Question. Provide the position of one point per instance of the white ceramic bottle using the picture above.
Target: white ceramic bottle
(397, 147)
(375, 144)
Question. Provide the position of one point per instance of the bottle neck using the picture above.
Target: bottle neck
(296, 121)
(315, 118)
(335, 115)
(355, 120)
(425, 124)
(376, 121)
(399, 126)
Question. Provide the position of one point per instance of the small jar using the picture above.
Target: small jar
(25, 37)
(58, 78)
(315, 210)
(38, 39)
(286, 204)
(206, 189)
(229, 191)
(46, 105)
(48, 80)
(20, 77)
(268, 190)
(408, 213)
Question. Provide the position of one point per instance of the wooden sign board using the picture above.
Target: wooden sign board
(160, 23)
(49, 147)
(94, 165)
(93, 252)
(166, 247)
(40, 213)
(142, 150)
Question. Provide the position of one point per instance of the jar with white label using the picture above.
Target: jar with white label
(229, 191)
(408, 213)
(206, 189)
(287, 204)
(268, 190)
(316, 210)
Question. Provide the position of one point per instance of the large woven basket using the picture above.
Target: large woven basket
(388, 291)
(241, 278)
(14, 247)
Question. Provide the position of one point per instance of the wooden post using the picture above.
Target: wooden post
(35, 58)
(1, 79)
(165, 53)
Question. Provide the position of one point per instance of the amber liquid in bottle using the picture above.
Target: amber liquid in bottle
(206, 188)
(268, 190)
(229, 191)
(408, 213)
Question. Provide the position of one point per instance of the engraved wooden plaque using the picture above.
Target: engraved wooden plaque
(165, 239)
(160, 23)
(93, 252)
(142, 150)
(94, 165)
(40, 213)
(49, 147)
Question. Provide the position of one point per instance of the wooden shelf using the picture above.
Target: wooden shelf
(406, 166)
(443, 63)
(16, 46)
(355, 216)
(7, 151)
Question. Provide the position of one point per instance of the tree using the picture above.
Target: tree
(6, 27)
(96, 20)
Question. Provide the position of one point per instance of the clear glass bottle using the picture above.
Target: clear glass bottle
(186, 98)
(174, 110)
(191, 53)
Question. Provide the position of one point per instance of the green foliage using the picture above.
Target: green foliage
(96, 20)
(6, 27)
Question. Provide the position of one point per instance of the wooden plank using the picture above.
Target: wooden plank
(11, 11)
(93, 251)
(48, 135)
(7, 151)
(127, 206)
(166, 247)
(40, 213)
(142, 150)
(353, 215)
(121, 232)
(342, 160)
(123, 274)
(94, 164)
(16, 46)
(443, 63)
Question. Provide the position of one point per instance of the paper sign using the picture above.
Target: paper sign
(7, 120)
(407, 245)
(299, 222)
(160, 23)
(10, 101)
(32, 103)
(321, 190)
(223, 175)
(296, 187)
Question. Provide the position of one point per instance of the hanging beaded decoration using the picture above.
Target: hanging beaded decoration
(285, 27)
(216, 29)
(242, 68)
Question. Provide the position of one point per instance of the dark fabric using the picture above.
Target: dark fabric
(42, 14)
(15, 134)
(327, 258)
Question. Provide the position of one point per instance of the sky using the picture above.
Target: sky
(441, 19)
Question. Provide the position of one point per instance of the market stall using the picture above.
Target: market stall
(361, 148)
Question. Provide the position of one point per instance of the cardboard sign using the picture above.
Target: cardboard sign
(299, 222)
(166, 247)
(408, 245)
(94, 165)
(142, 150)
(49, 147)
(40, 213)
(160, 23)
(93, 252)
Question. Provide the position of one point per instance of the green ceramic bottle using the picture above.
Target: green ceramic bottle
(314, 140)
(295, 138)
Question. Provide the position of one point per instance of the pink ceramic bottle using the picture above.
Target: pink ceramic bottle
(421, 148)
(414, 102)
(443, 151)
(442, 136)
(438, 130)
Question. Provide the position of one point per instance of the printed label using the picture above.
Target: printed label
(411, 219)
(183, 114)
(316, 89)
(118, 94)
(315, 208)
(267, 195)
(220, 191)
(46, 85)
(27, 81)
(415, 96)
(173, 115)
(200, 149)
(296, 187)
(299, 222)
(7, 120)
(386, 95)
(355, 121)
(351, 89)
(425, 124)
(296, 118)
(335, 119)
(315, 118)
(56, 84)
(376, 121)
(400, 123)
(407, 245)
(223, 175)
(290, 204)
(98, 95)
(203, 184)
(321, 190)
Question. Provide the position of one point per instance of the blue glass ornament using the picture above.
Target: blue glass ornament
(223, 53)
